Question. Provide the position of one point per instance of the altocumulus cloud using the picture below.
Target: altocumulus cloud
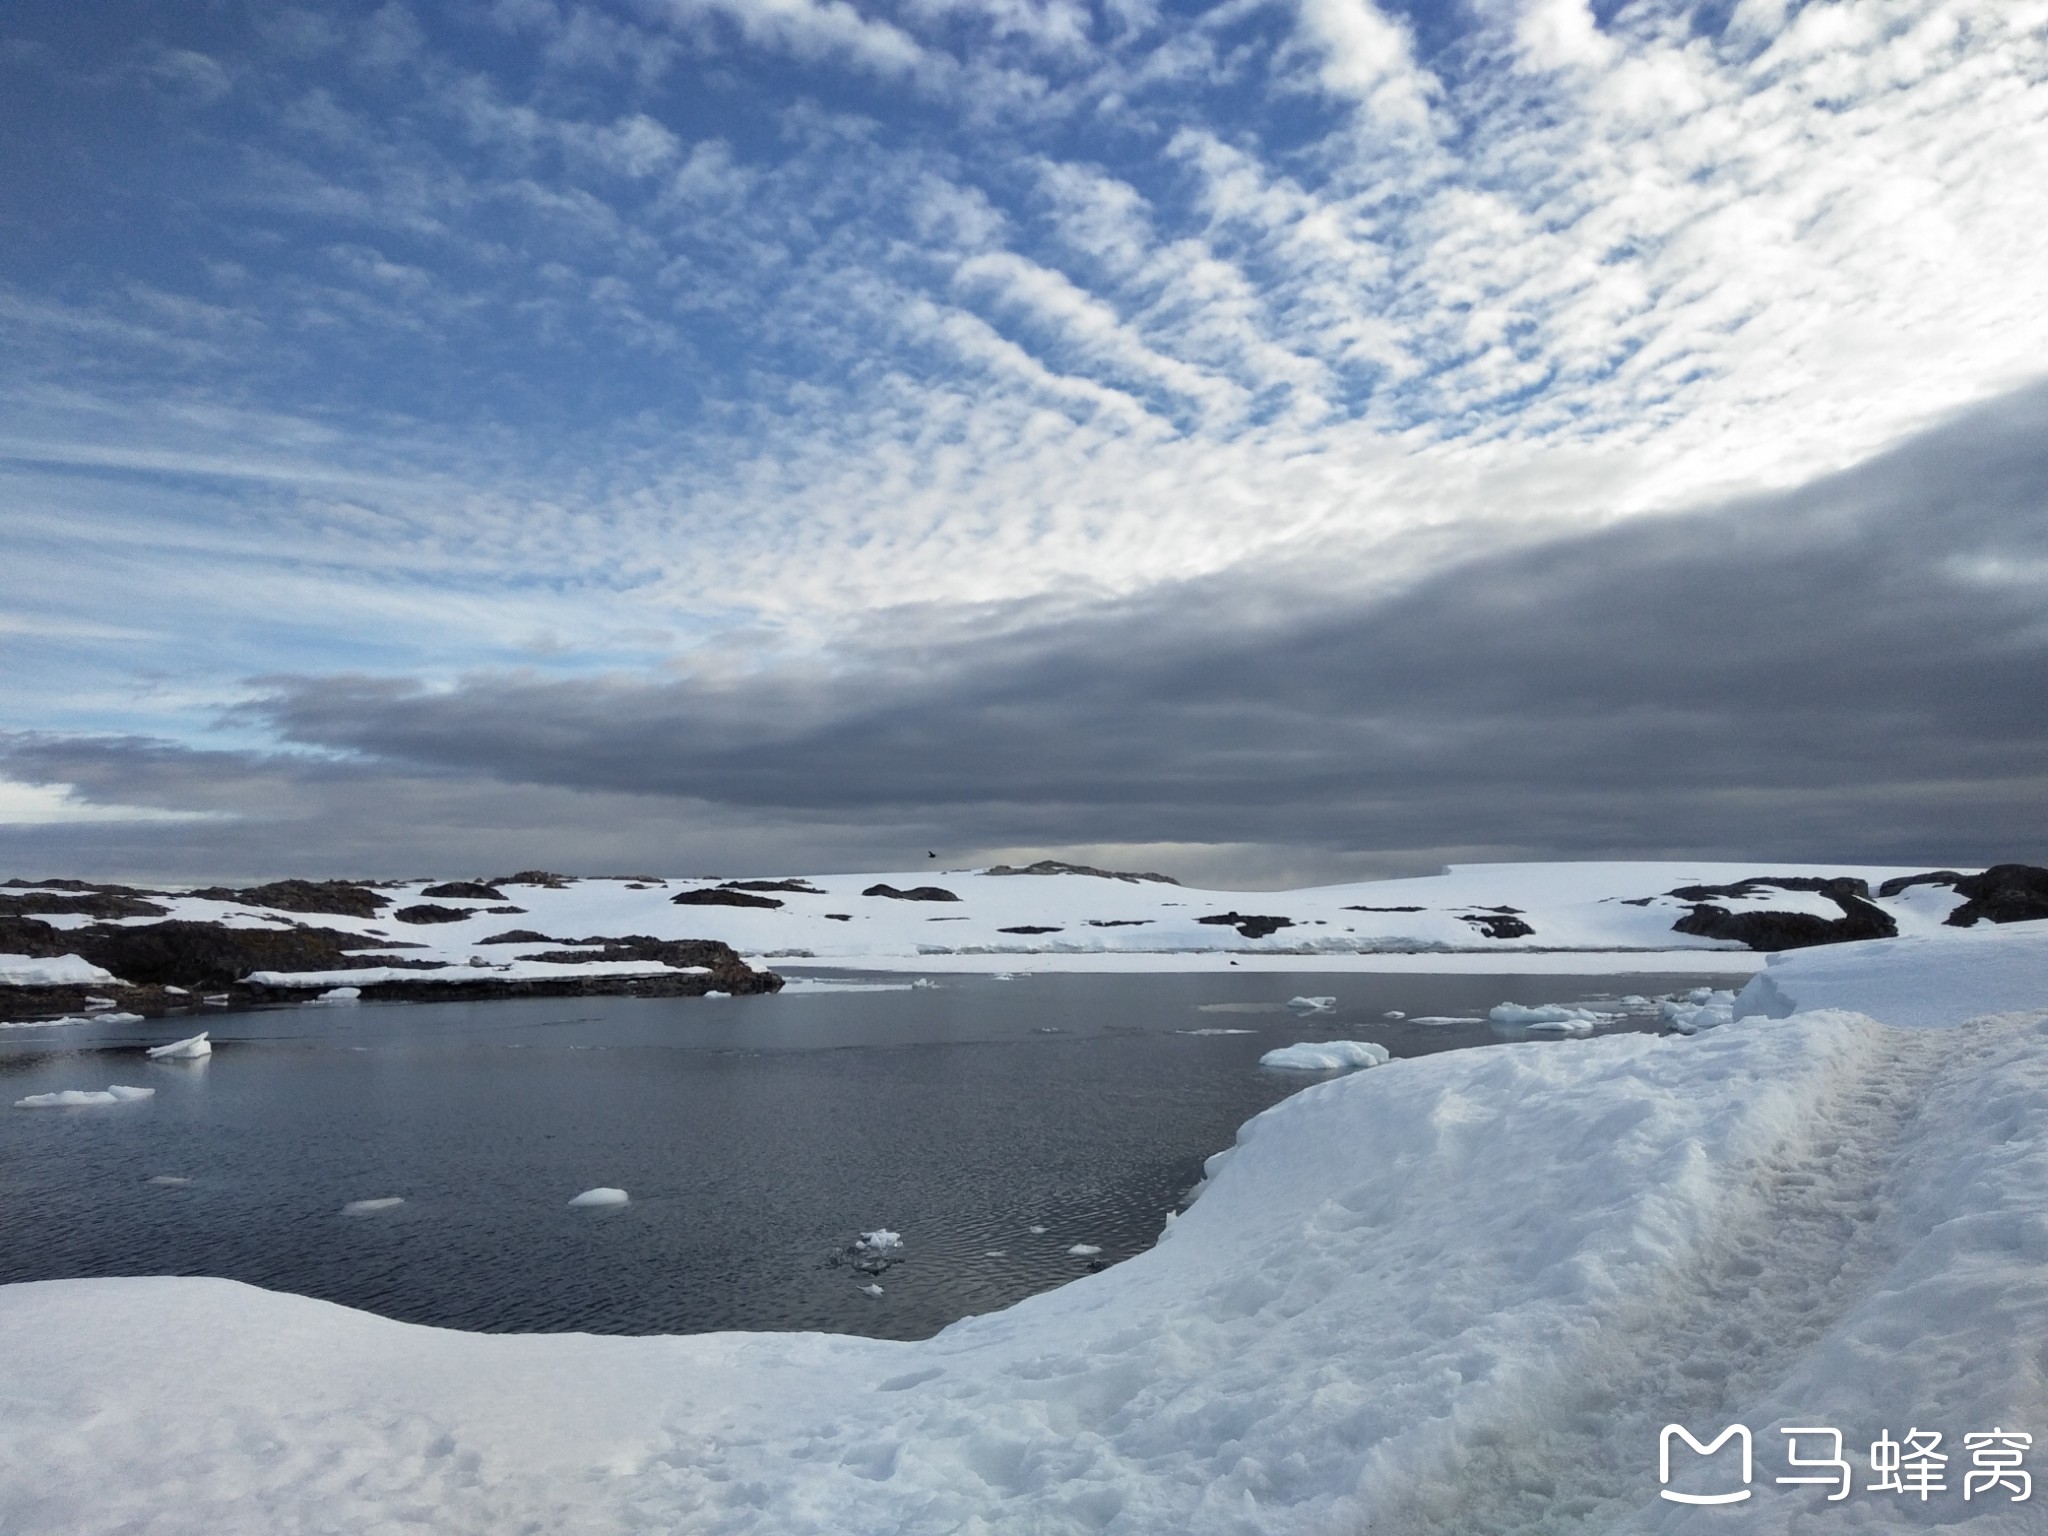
(1849, 670)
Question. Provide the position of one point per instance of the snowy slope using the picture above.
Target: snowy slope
(1459, 1293)
(1073, 921)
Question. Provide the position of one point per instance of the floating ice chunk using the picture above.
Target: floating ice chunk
(603, 1195)
(44, 1023)
(1084, 1250)
(871, 1289)
(169, 1181)
(1311, 1004)
(1215, 1031)
(995, 1253)
(340, 995)
(1327, 1056)
(189, 1049)
(98, 1004)
(1550, 1018)
(881, 1240)
(215, 999)
(1446, 1018)
(1037, 1231)
(117, 1018)
(74, 1098)
(1395, 1013)
(1704, 1008)
(372, 1207)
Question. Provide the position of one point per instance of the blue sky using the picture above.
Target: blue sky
(749, 362)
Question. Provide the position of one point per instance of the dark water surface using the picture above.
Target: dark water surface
(756, 1136)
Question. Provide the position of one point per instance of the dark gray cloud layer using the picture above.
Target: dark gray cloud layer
(1853, 670)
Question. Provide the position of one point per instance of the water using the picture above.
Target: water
(757, 1137)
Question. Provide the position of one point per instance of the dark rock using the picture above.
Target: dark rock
(1027, 928)
(792, 887)
(1791, 930)
(1118, 922)
(1833, 889)
(1497, 924)
(1250, 927)
(340, 898)
(2004, 893)
(1898, 883)
(519, 936)
(188, 954)
(505, 911)
(71, 885)
(1055, 867)
(464, 890)
(1386, 909)
(915, 893)
(729, 973)
(722, 898)
(840, 917)
(536, 877)
(427, 912)
(29, 936)
(87, 904)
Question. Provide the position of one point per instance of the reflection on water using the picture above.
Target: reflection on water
(419, 1160)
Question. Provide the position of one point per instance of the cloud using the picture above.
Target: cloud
(1835, 672)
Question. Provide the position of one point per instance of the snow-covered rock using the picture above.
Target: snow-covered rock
(51, 971)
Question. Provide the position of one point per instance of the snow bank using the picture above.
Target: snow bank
(1924, 981)
(52, 971)
(1327, 1056)
(73, 1098)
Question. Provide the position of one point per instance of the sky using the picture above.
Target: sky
(1269, 441)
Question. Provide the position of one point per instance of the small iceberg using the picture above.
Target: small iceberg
(117, 1018)
(191, 1048)
(1311, 1004)
(596, 1199)
(169, 1181)
(1085, 1250)
(871, 1289)
(1549, 1018)
(98, 1004)
(1703, 1008)
(339, 995)
(1327, 1056)
(74, 1098)
(879, 1241)
(1395, 1013)
(371, 1207)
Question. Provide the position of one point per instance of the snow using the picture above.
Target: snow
(74, 1098)
(1327, 1056)
(600, 1197)
(1911, 981)
(192, 1048)
(1459, 1295)
(55, 971)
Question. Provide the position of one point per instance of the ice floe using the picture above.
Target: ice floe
(1312, 1004)
(372, 1207)
(597, 1199)
(75, 1098)
(192, 1048)
(1550, 1018)
(1327, 1056)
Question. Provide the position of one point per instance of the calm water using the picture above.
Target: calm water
(757, 1138)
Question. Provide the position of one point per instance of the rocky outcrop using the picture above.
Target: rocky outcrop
(1503, 924)
(206, 955)
(540, 877)
(337, 898)
(729, 973)
(2004, 893)
(107, 903)
(1251, 927)
(1898, 883)
(1790, 930)
(788, 887)
(427, 912)
(1028, 928)
(719, 896)
(464, 890)
(915, 893)
(1055, 867)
